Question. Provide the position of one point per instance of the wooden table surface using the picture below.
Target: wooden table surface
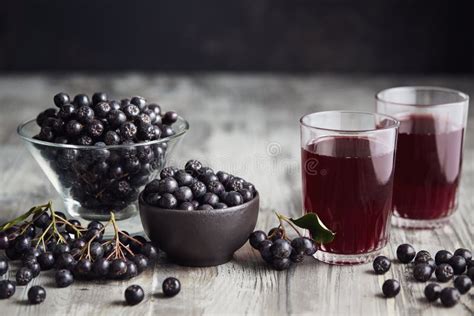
(246, 124)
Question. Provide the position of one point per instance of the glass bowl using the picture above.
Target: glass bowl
(94, 181)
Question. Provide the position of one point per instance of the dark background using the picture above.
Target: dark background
(249, 35)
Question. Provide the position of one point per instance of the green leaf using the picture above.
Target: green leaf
(320, 233)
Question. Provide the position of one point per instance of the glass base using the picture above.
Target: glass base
(420, 223)
(127, 218)
(75, 209)
(346, 259)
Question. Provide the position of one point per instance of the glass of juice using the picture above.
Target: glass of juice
(429, 152)
(347, 165)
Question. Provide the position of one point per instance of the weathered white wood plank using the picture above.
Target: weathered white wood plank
(247, 124)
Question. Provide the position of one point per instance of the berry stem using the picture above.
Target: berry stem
(288, 221)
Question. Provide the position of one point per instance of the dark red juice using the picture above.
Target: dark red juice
(428, 165)
(348, 182)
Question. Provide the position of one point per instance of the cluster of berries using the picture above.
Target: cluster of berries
(445, 265)
(103, 178)
(43, 239)
(197, 187)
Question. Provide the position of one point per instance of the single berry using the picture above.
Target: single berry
(215, 187)
(132, 270)
(265, 252)
(193, 167)
(246, 194)
(184, 194)
(198, 188)
(422, 272)
(405, 253)
(458, 263)
(171, 286)
(138, 101)
(281, 248)
(134, 294)
(463, 283)
(85, 114)
(170, 117)
(210, 199)
(128, 130)
(442, 256)
(36, 294)
(83, 268)
(116, 118)
(391, 288)
(463, 253)
(167, 185)
(65, 261)
(61, 99)
(183, 178)
(381, 265)
(450, 296)
(7, 289)
(168, 201)
(118, 268)
(24, 276)
(444, 272)
(22, 243)
(432, 292)
(99, 97)
(46, 260)
(101, 267)
(73, 128)
(256, 238)
(81, 100)
(234, 198)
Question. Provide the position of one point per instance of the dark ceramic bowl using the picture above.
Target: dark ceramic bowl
(199, 238)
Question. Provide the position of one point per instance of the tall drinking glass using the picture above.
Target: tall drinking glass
(347, 164)
(429, 152)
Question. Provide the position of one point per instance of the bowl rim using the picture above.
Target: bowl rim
(141, 201)
(21, 126)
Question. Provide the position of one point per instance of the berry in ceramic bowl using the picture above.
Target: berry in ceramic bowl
(198, 217)
(98, 152)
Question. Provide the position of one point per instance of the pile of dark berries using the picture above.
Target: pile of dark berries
(134, 294)
(43, 239)
(443, 267)
(197, 187)
(278, 250)
(105, 179)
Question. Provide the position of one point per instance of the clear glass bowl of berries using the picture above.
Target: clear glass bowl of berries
(99, 153)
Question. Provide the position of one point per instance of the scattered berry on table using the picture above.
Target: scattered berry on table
(432, 292)
(406, 253)
(422, 272)
(36, 294)
(463, 283)
(444, 272)
(458, 263)
(422, 256)
(391, 288)
(7, 289)
(443, 256)
(449, 296)
(381, 264)
(134, 294)
(23, 276)
(171, 286)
